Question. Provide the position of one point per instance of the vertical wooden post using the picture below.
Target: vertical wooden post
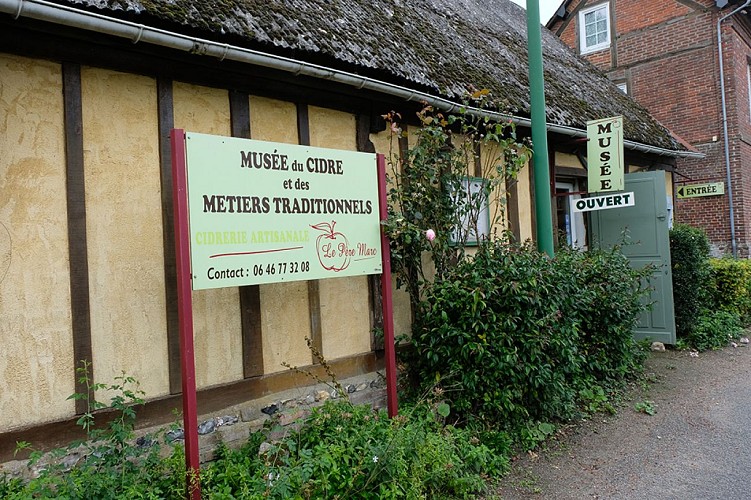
(250, 295)
(185, 312)
(80, 306)
(165, 109)
(388, 303)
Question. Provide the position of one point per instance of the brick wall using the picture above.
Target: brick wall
(681, 97)
(679, 35)
(632, 15)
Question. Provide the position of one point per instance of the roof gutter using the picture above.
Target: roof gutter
(70, 16)
(733, 242)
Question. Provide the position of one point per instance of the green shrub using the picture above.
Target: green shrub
(689, 253)
(606, 297)
(513, 336)
(346, 451)
(340, 451)
(729, 290)
(109, 463)
(713, 330)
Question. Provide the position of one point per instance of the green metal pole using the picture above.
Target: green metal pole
(539, 131)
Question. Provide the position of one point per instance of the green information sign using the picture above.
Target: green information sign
(697, 190)
(605, 155)
(264, 212)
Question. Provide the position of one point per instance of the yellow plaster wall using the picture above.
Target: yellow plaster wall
(524, 199)
(124, 228)
(567, 160)
(498, 206)
(285, 313)
(345, 312)
(36, 365)
(387, 145)
(216, 313)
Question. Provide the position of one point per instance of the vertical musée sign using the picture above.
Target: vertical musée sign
(605, 155)
(252, 212)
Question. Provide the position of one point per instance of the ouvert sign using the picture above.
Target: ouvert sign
(604, 202)
(264, 212)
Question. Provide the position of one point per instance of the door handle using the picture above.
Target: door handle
(662, 217)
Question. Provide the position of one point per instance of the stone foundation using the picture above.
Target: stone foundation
(234, 425)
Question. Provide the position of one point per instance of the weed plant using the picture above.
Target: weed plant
(339, 451)
(109, 463)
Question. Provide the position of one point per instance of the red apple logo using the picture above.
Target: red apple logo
(332, 246)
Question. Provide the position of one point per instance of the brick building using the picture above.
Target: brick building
(665, 55)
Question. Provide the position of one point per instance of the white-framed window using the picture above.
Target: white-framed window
(472, 208)
(623, 86)
(594, 28)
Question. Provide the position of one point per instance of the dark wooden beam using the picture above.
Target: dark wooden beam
(77, 245)
(314, 291)
(512, 208)
(363, 124)
(250, 296)
(478, 160)
(570, 172)
(165, 111)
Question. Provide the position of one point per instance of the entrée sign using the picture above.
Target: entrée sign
(264, 212)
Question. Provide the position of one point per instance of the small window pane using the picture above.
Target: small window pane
(595, 28)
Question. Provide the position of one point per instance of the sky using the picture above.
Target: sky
(547, 8)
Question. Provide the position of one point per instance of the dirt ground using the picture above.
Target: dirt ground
(696, 446)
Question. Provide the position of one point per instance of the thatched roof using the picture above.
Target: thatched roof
(443, 47)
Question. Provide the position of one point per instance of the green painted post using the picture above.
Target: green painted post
(539, 131)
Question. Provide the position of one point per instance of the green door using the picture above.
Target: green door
(646, 227)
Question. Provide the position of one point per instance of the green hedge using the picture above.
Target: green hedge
(730, 286)
(513, 336)
(689, 253)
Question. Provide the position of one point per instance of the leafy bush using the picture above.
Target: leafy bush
(513, 336)
(689, 253)
(730, 288)
(340, 451)
(345, 451)
(108, 464)
(606, 296)
(713, 330)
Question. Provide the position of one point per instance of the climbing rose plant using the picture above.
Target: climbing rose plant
(448, 185)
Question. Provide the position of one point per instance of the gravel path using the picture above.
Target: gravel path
(696, 446)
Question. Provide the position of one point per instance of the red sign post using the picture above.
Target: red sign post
(185, 311)
(387, 300)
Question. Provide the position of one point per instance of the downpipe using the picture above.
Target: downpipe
(733, 241)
